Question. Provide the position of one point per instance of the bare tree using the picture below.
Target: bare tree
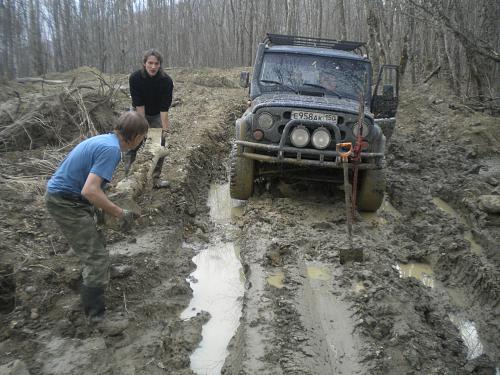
(459, 36)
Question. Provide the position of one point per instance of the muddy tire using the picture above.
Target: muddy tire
(371, 190)
(241, 176)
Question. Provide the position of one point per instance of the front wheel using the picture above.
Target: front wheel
(371, 190)
(241, 175)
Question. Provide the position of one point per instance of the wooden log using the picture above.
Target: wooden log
(39, 80)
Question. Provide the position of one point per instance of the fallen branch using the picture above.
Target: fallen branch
(38, 80)
(433, 73)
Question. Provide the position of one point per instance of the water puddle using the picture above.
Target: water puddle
(218, 287)
(445, 207)
(420, 271)
(358, 287)
(318, 273)
(469, 335)
(276, 280)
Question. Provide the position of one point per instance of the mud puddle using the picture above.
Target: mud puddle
(217, 284)
(467, 328)
(333, 327)
(445, 207)
(420, 271)
(276, 280)
(470, 337)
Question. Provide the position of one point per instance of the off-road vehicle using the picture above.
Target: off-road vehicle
(306, 96)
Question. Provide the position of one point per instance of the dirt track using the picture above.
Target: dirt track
(302, 311)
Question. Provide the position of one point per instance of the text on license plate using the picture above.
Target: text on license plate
(314, 116)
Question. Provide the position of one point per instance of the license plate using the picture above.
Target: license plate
(313, 116)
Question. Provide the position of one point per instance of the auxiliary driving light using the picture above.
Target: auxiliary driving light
(321, 138)
(300, 136)
(265, 120)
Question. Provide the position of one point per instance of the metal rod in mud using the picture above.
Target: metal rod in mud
(348, 211)
(344, 150)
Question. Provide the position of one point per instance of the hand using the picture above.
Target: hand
(127, 219)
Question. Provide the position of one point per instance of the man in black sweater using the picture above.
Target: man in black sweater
(151, 90)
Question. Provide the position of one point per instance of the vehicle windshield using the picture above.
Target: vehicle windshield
(329, 76)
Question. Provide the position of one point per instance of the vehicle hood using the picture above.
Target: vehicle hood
(328, 103)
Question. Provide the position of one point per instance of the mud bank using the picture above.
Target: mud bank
(302, 312)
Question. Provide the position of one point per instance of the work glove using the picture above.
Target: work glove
(127, 220)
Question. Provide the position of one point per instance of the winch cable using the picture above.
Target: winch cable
(356, 155)
(344, 150)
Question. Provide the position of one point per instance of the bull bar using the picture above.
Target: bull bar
(282, 148)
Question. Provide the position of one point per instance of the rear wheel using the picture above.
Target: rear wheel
(241, 175)
(371, 190)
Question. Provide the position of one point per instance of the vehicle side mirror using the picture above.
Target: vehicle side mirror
(244, 79)
(385, 97)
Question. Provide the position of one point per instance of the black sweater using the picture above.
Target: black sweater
(155, 93)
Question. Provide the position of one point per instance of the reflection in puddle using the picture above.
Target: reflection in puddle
(276, 280)
(420, 271)
(222, 207)
(469, 335)
(445, 207)
(218, 288)
(318, 273)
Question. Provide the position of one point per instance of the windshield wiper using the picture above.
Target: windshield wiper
(281, 84)
(323, 87)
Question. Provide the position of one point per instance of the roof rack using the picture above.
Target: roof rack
(293, 40)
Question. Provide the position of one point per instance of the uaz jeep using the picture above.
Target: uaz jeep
(306, 98)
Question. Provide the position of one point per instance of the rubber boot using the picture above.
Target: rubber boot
(93, 301)
(95, 311)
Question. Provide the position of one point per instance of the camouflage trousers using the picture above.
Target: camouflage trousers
(76, 220)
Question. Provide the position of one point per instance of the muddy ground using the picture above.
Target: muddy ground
(302, 311)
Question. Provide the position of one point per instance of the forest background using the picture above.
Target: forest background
(456, 38)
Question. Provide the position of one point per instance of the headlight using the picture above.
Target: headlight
(366, 130)
(265, 121)
(321, 138)
(300, 136)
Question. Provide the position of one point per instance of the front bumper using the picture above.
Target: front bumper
(285, 154)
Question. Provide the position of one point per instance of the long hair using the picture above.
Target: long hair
(147, 54)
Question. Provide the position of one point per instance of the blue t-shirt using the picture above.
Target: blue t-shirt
(99, 155)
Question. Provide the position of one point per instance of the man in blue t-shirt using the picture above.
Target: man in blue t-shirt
(151, 89)
(76, 189)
